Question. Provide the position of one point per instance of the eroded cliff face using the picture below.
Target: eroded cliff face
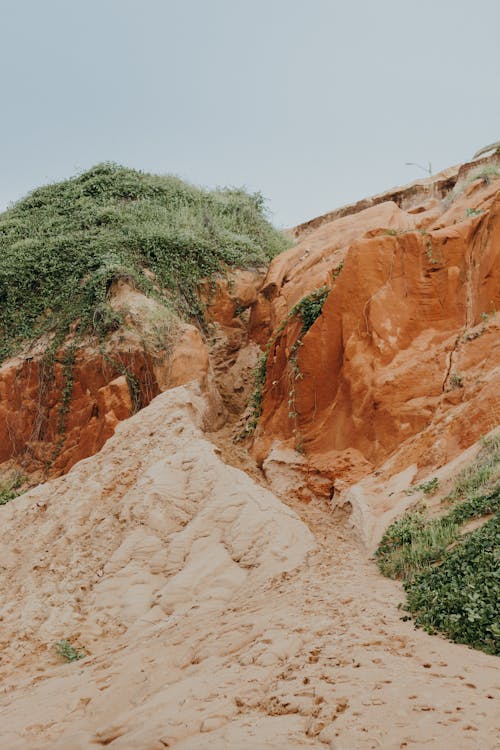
(55, 411)
(210, 611)
(50, 418)
(43, 427)
(403, 360)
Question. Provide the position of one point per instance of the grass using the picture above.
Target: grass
(483, 474)
(451, 577)
(63, 245)
(461, 597)
(68, 652)
(9, 489)
(486, 173)
(428, 488)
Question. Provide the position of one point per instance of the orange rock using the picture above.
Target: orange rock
(227, 297)
(406, 350)
(40, 431)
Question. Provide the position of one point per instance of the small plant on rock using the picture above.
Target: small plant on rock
(456, 381)
(67, 651)
(10, 488)
(428, 488)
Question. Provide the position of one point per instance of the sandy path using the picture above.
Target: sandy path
(389, 684)
(213, 617)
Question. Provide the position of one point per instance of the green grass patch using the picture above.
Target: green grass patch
(309, 308)
(428, 488)
(63, 245)
(10, 488)
(461, 597)
(452, 578)
(68, 652)
(482, 474)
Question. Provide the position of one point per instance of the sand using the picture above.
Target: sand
(213, 615)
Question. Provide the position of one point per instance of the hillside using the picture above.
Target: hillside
(237, 473)
(99, 288)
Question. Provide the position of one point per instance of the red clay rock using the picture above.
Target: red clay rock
(407, 343)
(315, 260)
(229, 296)
(33, 426)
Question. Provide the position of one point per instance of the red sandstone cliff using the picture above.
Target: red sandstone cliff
(209, 614)
(404, 358)
(402, 362)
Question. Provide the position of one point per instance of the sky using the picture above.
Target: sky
(314, 103)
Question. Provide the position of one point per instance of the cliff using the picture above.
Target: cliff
(402, 360)
(205, 436)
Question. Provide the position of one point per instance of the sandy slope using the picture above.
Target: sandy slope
(213, 617)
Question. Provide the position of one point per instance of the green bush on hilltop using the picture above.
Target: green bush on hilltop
(63, 245)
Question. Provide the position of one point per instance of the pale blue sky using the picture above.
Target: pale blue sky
(314, 102)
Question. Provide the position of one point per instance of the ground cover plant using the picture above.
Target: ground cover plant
(451, 576)
(11, 488)
(63, 245)
(68, 652)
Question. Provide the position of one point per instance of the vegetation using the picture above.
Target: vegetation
(63, 245)
(456, 380)
(451, 575)
(255, 402)
(483, 475)
(429, 251)
(428, 488)
(486, 173)
(460, 598)
(474, 212)
(10, 488)
(68, 652)
(309, 308)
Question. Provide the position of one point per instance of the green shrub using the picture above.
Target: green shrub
(9, 489)
(68, 652)
(452, 578)
(415, 541)
(309, 308)
(461, 597)
(63, 245)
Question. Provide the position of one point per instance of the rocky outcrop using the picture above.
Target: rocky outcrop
(56, 411)
(404, 358)
(411, 197)
(207, 613)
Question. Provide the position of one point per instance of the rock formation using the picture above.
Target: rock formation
(200, 601)
(403, 359)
